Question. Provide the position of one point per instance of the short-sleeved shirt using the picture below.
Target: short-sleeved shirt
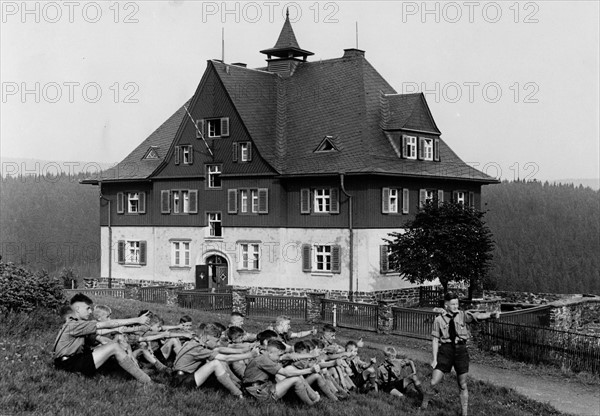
(286, 336)
(72, 336)
(261, 369)
(399, 369)
(332, 347)
(192, 355)
(441, 326)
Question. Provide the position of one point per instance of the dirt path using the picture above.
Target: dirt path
(572, 398)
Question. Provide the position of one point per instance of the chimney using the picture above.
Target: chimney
(243, 65)
(352, 52)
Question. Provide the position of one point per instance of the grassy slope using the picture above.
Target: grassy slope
(30, 385)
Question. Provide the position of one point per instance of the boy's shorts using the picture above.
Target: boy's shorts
(399, 385)
(183, 379)
(78, 363)
(263, 392)
(455, 356)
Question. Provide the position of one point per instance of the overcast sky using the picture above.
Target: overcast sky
(512, 86)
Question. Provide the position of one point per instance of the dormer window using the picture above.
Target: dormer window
(184, 155)
(217, 127)
(244, 152)
(151, 153)
(409, 147)
(426, 148)
(326, 145)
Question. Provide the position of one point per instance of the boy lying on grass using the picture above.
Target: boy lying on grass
(71, 352)
(396, 375)
(201, 357)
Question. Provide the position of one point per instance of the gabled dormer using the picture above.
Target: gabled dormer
(285, 56)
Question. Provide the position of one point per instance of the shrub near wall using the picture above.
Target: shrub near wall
(24, 291)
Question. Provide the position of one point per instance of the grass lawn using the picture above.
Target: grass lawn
(29, 384)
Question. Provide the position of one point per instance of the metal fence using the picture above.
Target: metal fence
(415, 323)
(273, 306)
(116, 293)
(350, 314)
(534, 344)
(214, 302)
(153, 294)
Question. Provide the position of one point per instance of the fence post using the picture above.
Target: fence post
(238, 299)
(313, 306)
(132, 291)
(385, 316)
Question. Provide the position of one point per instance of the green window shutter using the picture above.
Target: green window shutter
(336, 263)
(305, 201)
(143, 253)
(234, 152)
(405, 201)
(384, 264)
(121, 252)
(232, 201)
(472, 199)
(193, 195)
(306, 258)
(142, 203)
(440, 196)
(263, 201)
(404, 149)
(177, 154)
(454, 196)
(191, 149)
(334, 194)
(422, 197)
(421, 149)
(199, 129)
(165, 202)
(436, 150)
(120, 203)
(225, 127)
(385, 200)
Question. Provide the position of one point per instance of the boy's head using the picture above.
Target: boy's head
(390, 352)
(301, 347)
(186, 322)
(66, 312)
(236, 319)
(265, 336)
(213, 331)
(201, 328)
(318, 343)
(282, 324)
(451, 302)
(351, 346)
(82, 306)
(274, 349)
(102, 313)
(156, 322)
(328, 332)
(235, 334)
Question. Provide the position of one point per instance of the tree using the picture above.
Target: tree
(447, 241)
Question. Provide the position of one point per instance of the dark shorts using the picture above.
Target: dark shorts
(455, 356)
(263, 392)
(78, 363)
(183, 379)
(400, 385)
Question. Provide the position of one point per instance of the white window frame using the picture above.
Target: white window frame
(213, 126)
(430, 195)
(180, 253)
(411, 144)
(132, 252)
(244, 201)
(213, 172)
(212, 219)
(461, 197)
(249, 256)
(244, 151)
(254, 200)
(186, 158)
(393, 201)
(427, 148)
(322, 257)
(133, 202)
(181, 201)
(176, 204)
(322, 200)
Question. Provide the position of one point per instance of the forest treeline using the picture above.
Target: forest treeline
(546, 235)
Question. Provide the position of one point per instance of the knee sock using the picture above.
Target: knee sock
(228, 383)
(300, 389)
(132, 368)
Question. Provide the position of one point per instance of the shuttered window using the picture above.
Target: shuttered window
(436, 150)
(263, 201)
(193, 203)
(232, 201)
(405, 201)
(165, 202)
(384, 263)
(121, 252)
(321, 258)
(120, 203)
(305, 201)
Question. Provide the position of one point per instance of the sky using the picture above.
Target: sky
(513, 86)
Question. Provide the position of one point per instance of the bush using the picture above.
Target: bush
(24, 291)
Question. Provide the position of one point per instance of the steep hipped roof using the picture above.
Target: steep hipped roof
(407, 112)
(134, 166)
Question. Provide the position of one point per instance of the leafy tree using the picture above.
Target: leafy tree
(447, 241)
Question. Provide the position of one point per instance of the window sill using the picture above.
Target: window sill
(180, 267)
(212, 237)
(208, 188)
(247, 271)
(133, 265)
(323, 274)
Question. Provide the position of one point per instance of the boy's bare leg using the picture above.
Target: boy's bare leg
(104, 352)
(173, 344)
(323, 385)
(299, 386)
(464, 393)
(218, 369)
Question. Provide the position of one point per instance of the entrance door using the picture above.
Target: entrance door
(202, 277)
(217, 271)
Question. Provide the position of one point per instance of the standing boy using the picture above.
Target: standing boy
(70, 352)
(449, 345)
